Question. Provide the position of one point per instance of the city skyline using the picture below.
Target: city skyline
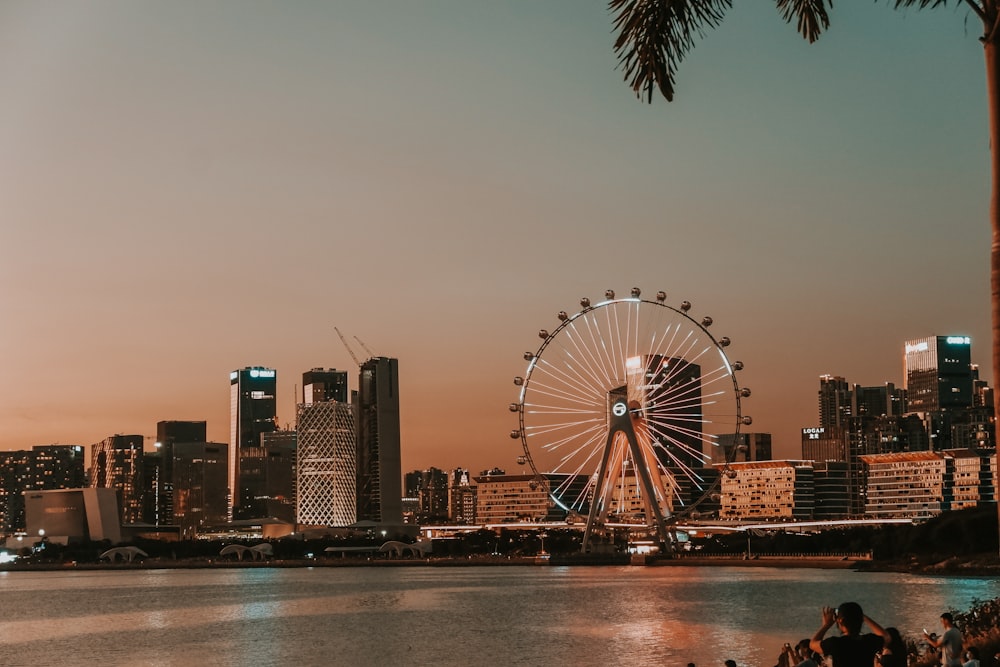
(186, 195)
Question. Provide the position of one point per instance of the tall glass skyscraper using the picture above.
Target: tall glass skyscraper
(938, 373)
(253, 411)
(379, 472)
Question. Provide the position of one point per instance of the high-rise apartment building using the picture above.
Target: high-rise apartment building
(200, 476)
(834, 401)
(117, 463)
(44, 467)
(327, 469)
(159, 468)
(939, 374)
(276, 498)
(430, 487)
(253, 411)
(379, 473)
(320, 385)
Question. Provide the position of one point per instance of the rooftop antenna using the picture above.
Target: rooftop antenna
(348, 347)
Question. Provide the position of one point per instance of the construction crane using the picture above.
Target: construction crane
(371, 355)
(348, 347)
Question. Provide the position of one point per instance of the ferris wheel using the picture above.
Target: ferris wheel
(623, 409)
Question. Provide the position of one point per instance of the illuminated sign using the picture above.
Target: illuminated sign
(619, 409)
(813, 433)
(261, 373)
(958, 340)
(919, 347)
(233, 376)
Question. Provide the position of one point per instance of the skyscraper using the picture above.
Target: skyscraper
(327, 469)
(199, 485)
(252, 408)
(379, 474)
(938, 373)
(834, 401)
(159, 467)
(320, 385)
(117, 463)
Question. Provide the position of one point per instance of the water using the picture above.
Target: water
(447, 615)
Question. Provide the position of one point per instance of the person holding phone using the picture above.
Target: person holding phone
(950, 642)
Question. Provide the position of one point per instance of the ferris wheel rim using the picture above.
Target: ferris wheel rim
(717, 345)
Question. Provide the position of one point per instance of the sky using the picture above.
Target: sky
(190, 188)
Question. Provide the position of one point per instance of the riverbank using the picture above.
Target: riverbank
(785, 561)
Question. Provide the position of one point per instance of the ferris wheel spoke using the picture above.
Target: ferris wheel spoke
(554, 392)
(597, 370)
(680, 396)
(572, 380)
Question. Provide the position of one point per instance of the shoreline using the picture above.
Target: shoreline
(968, 567)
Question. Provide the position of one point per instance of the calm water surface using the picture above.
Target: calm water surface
(549, 616)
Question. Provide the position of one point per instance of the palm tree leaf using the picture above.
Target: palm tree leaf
(655, 35)
(811, 15)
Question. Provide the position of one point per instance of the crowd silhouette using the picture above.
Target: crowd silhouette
(970, 639)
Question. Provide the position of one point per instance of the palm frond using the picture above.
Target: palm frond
(655, 35)
(811, 16)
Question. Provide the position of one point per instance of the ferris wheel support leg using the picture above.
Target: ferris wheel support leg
(598, 497)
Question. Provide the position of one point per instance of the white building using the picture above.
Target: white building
(327, 472)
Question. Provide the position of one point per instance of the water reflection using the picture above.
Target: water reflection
(449, 616)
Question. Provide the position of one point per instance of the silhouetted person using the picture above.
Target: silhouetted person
(852, 648)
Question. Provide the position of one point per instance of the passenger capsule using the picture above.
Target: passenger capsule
(543, 333)
(724, 341)
(737, 365)
(609, 294)
(706, 322)
(528, 356)
(515, 434)
(685, 306)
(521, 460)
(518, 381)
(747, 420)
(661, 296)
(514, 407)
(636, 292)
(745, 392)
(585, 302)
(563, 316)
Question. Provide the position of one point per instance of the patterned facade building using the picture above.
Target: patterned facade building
(326, 470)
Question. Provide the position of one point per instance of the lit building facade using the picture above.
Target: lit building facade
(768, 490)
(511, 498)
(200, 477)
(117, 463)
(461, 497)
(938, 372)
(253, 412)
(431, 488)
(379, 472)
(41, 468)
(159, 468)
(326, 469)
(320, 385)
(908, 484)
